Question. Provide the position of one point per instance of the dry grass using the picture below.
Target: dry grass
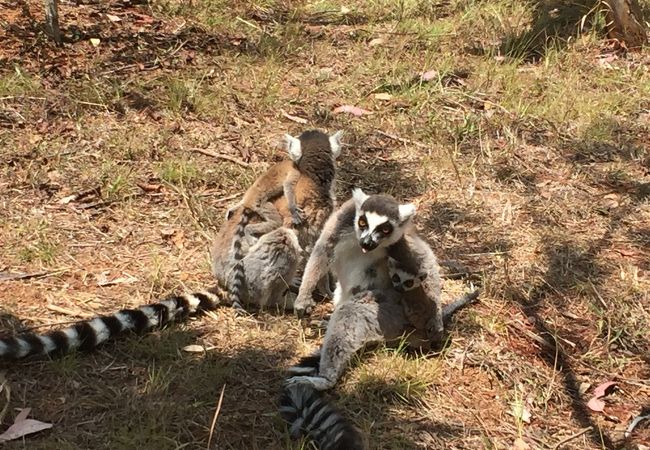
(528, 156)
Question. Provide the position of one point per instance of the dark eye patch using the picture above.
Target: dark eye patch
(363, 223)
(408, 284)
(386, 228)
(395, 278)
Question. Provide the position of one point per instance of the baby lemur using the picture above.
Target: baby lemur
(414, 273)
(411, 263)
(307, 182)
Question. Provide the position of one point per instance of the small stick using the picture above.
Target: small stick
(8, 276)
(220, 156)
(216, 414)
(403, 140)
(572, 437)
(67, 312)
(600, 298)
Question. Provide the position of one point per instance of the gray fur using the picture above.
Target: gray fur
(368, 308)
(422, 301)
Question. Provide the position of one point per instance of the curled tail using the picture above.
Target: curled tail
(449, 310)
(307, 412)
(89, 334)
(238, 274)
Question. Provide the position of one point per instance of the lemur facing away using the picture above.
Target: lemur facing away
(270, 262)
(307, 182)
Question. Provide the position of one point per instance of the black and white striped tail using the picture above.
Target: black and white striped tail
(89, 334)
(239, 275)
(449, 310)
(308, 413)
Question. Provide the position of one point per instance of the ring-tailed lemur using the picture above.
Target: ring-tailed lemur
(354, 244)
(270, 262)
(307, 178)
(412, 256)
(309, 413)
(410, 263)
(89, 334)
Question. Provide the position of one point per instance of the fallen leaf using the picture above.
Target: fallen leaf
(519, 444)
(603, 389)
(293, 118)
(596, 404)
(521, 412)
(113, 18)
(194, 348)
(354, 110)
(383, 96)
(377, 41)
(179, 239)
(429, 75)
(23, 426)
(95, 41)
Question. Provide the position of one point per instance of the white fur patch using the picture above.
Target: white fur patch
(294, 147)
(23, 348)
(374, 220)
(335, 143)
(406, 211)
(338, 293)
(318, 383)
(125, 321)
(152, 315)
(73, 338)
(48, 344)
(359, 197)
(101, 330)
(300, 370)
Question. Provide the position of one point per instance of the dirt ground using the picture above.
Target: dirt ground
(520, 132)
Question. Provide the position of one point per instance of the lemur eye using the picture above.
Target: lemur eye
(362, 222)
(386, 229)
(395, 278)
(408, 284)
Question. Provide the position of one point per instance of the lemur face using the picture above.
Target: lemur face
(403, 280)
(379, 221)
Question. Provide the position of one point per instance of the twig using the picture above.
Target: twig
(572, 437)
(81, 194)
(8, 276)
(600, 298)
(216, 414)
(403, 140)
(220, 156)
(67, 312)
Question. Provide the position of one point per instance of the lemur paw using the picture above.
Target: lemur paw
(298, 216)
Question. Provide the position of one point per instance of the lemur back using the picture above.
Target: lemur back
(306, 181)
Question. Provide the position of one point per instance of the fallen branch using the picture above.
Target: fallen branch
(67, 312)
(8, 276)
(403, 140)
(572, 437)
(220, 156)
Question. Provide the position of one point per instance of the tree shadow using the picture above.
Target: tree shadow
(146, 392)
(553, 23)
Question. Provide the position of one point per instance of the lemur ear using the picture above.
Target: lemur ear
(359, 197)
(335, 143)
(293, 147)
(406, 212)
